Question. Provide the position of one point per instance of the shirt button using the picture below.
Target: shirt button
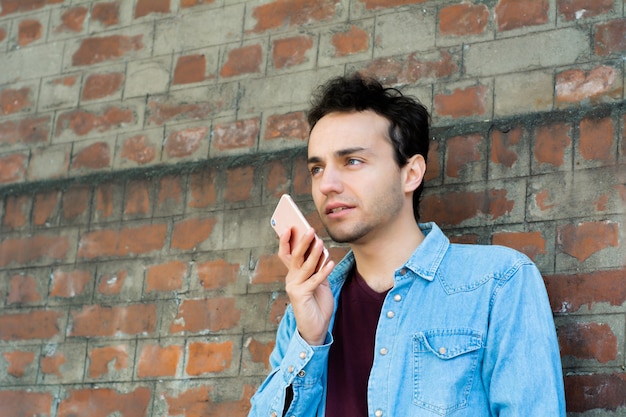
(301, 373)
(290, 369)
(302, 355)
(378, 413)
(390, 314)
(274, 414)
(443, 350)
(397, 297)
(402, 272)
(383, 351)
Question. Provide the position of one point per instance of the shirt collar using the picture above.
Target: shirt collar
(426, 259)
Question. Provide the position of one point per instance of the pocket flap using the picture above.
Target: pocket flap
(448, 344)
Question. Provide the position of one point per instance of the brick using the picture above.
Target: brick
(586, 392)
(51, 364)
(244, 60)
(69, 284)
(94, 156)
(18, 6)
(405, 32)
(75, 203)
(29, 31)
(573, 86)
(27, 402)
(36, 324)
(45, 207)
(23, 289)
(206, 315)
(241, 134)
(269, 269)
(103, 402)
(23, 250)
(138, 200)
(552, 143)
(107, 14)
(83, 122)
(582, 9)
(186, 142)
(290, 126)
(29, 130)
(205, 358)
(462, 102)
(444, 209)
(156, 361)
(525, 92)
(278, 308)
(15, 100)
(531, 244)
(588, 341)
(610, 37)
(16, 212)
(279, 13)
(108, 201)
(50, 162)
(596, 140)
(197, 401)
(301, 178)
(463, 156)
(18, 362)
(185, 4)
(515, 14)
(433, 165)
(99, 86)
(3, 34)
(148, 77)
(72, 20)
(189, 69)
(260, 352)
(585, 239)
(289, 52)
(350, 42)
(569, 292)
(59, 92)
(463, 19)
(217, 274)
(145, 7)
(112, 284)
(170, 197)
(100, 321)
(382, 4)
(138, 149)
(161, 113)
(125, 242)
(202, 189)
(505, 148)
(277, 179)
(239, 184)
(168, 276)
(189, 233)
(101, 359)
(106, 48)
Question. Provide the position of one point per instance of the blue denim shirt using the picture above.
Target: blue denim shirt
(466, 331)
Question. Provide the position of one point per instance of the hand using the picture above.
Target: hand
(309, 292)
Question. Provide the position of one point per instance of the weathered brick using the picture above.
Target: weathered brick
(36, 324)
(107, 14)
(17, 6)
(278, 308)
(381, 4)
(353, 41)
(239, 184)
(106, 358)
(585, 239)
(27, 402)
(290, 126)
(190, 233)
(45, 207)
(51, 364)
(189, 142)
(532, 244)
(198, 401)
(145, 7)
(3, 34)
(301, 178)
(96, 155)
(100, 321)
(278, 13)
(98, 86)
(202, 189)
(139, 149)
(465, 157)
(217, 274)
(289, 52)
(462, 102)
(508, 153)
(170, 196)
(463, 19)
(207, 358)
(603, 391)
(75, 203)
(106, 48)
(102, 402)
(582, 9)
(111, 283)
(269, 269)
(610, 38)
(576, 85)
(125, 242)
(167, 276)
(49, 162)
(29, 31)
(277, 179)
(190, 69)
(27, 131)
(514, 14)
(206, 315)
(552, 144)
(138, 199)
(23, 289)
(260, 352)
(159, 361)
(185, 4)
(15, 100)
(108, 202)
(588, 341)
(569, 292)
(39, 247)
(82, 122)
(596, 140)
(244, 60)
(18, 362)
(69, 284)
(16, 212)
(73, 19)
(161, 112)
(241, 134)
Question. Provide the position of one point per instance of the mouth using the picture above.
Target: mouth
(333, 209)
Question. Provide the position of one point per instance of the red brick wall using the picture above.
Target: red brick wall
(143, 145)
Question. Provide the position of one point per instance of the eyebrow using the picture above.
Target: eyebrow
(339, 153)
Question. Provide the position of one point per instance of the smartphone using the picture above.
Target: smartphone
(287, 216)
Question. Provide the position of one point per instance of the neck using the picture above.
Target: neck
(377, 259)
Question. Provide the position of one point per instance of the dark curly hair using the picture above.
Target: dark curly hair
(408, 119)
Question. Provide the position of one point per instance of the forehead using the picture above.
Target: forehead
(340, 130)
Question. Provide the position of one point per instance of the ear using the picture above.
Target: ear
(414, 172)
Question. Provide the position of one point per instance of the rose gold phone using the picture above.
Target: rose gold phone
(287, 215)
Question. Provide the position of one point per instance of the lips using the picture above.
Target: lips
(336, 208)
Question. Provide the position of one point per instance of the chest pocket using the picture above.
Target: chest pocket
(444, 366)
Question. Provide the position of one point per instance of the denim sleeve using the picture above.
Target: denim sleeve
(522, 367)
(294, 364)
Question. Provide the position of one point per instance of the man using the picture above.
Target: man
(406, 324)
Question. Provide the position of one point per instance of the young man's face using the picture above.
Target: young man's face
(357, 185)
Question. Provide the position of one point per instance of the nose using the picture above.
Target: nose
(330, 181)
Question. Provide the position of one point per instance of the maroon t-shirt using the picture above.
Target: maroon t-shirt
(352, 352)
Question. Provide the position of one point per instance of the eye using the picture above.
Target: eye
(353, 161)
(315, 170)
